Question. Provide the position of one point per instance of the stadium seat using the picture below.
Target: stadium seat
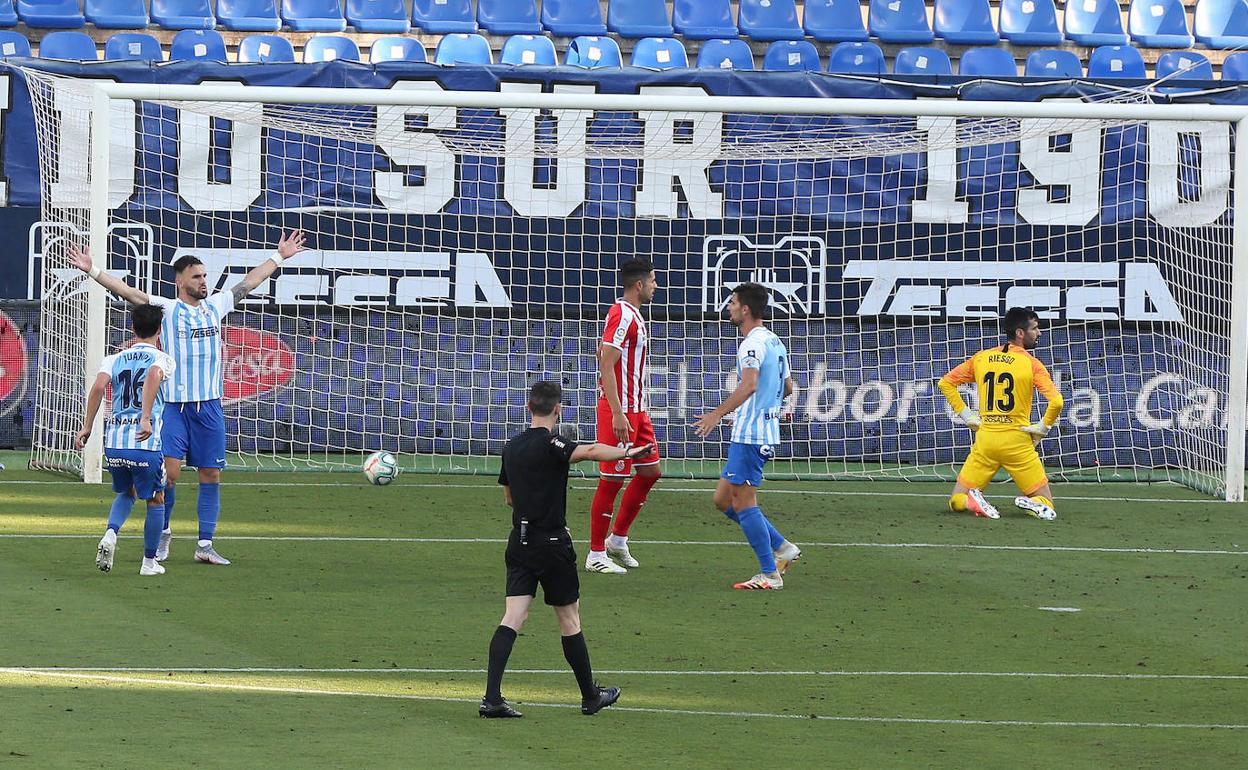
(639, 18)
(396, 49)
(987, 63)
(592, 52)
(443, 17)
(922, 61)
(8, 15)
(313, 15)
(856, 59)
(386, 17)
(529, 49)
(1159, 24)
(508, 17)
(1116, 61)
(726, 55)
(183, 14)
(573, 18)
(265, 49)
(659, 53)
(197, 45)
(791, 56)
(766, 20)
(463, 48)
(1029, 22)
(323, 48)
(70, 44)
(703, 19)
(17, 44)
(833, 21)
(1053, 63)
(1234, 67)
(116, 14)
(132, 46)
(50, 14)
(1094, 23)
(1221, 23)
(964, 22)
(249, 15)
(899, 21)
(1183, 65)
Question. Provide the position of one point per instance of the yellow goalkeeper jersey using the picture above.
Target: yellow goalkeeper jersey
(1005, 376)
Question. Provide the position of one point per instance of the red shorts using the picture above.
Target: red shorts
(640, 431)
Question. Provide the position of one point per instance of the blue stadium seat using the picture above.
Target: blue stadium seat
(529, 49)
(265, 49)
(463, 48)
(964, 22)
(249, 15)
(16, 44)
(732, 54)
(987, 63)
(1234, 68)
(508, 17)
(1053, 63)
(50, 14)
(1159, 24)
(322, 48)
(183, 14)
(197, 45)
(443, 17)
(132, 46)
(791, 56)
(116, 14)
(899, 21)
(769, 20)
(1183, 65)
(703, 19)
(1221, 23)
(1094, 22)
(592, 52)
(659, 53)
(386, 17)
(639, 18)
(314, 15)
(1116, 61)
(573, 18)
(69, 44)
(8, 15)
(1029, 22)
(922, 61)
(833, 21)
(856, 59)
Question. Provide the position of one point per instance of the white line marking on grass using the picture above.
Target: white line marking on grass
(632, 709)
(1060, 609)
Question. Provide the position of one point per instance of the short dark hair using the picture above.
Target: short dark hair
(544, 396)
(635, 270)
(145, 320)
(1017, 318)
(185, 261)
(755, 297)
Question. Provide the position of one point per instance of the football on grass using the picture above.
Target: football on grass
(381, 468)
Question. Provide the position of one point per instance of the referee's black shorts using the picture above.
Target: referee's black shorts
(547, 560)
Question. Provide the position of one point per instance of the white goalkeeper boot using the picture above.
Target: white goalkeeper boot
(1035, 508)
(979, 505)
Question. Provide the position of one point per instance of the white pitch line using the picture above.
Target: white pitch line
(633, 709)
(717, 543)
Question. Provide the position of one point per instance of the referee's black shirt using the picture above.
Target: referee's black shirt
(535, 467)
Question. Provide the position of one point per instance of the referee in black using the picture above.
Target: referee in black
(534, 478)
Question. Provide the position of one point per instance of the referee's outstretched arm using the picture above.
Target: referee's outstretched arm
(605, 453)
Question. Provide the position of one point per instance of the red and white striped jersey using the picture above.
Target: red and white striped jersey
(626, 332)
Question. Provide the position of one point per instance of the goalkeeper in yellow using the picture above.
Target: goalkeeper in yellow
(1004, 434)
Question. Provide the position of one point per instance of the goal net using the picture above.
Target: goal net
(462, 249)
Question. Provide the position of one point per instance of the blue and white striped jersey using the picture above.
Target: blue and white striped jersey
(128, 370)
(191, 335)
(757, 421)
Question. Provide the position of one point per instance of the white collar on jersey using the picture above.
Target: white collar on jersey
(626, 302)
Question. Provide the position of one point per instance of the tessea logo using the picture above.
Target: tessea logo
(256, 362)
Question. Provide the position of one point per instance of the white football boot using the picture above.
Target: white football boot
(980, 506)
(786, 555)
(602, 564)
(1037, 509)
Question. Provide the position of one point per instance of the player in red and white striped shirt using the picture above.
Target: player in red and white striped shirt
(622, 420)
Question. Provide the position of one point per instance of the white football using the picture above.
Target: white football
(381, 468)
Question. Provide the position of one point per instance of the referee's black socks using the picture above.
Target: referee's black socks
(577, 654)
(500, 651)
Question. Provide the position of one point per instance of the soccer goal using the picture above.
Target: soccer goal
(466, 244)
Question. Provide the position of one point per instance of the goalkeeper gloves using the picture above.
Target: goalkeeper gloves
(970, 417)
(1037, 430)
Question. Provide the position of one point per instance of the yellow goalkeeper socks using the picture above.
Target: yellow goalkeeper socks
(957, 503)
(1043, 501)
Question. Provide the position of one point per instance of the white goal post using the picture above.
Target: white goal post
(405, 328)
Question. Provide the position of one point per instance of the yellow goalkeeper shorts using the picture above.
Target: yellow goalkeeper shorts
(1009, 449)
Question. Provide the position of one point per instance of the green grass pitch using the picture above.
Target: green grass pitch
(352, 629)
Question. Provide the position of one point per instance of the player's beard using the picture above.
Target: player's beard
(200, 293)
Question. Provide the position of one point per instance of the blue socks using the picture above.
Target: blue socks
(758, 532)
(732, 514)
(151, 530)
(117, 515)
(209, 509)
(169, 499)
(773, 534)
